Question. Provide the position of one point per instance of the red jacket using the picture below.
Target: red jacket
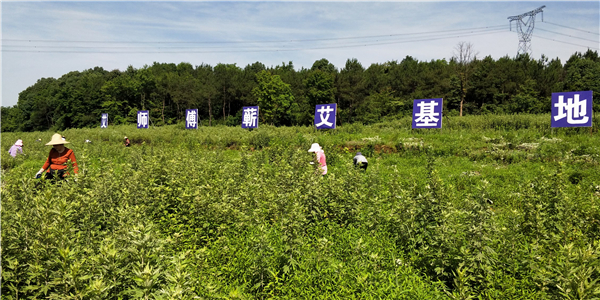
(58, 161)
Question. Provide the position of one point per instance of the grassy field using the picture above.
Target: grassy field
(490, 207)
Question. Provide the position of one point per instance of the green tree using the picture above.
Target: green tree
(119, 96)
(85, 97)
(351, 89)
(323, 65)
(274, 97)
(226, 78)
(184, 90)
(319, 90)
(296, 81)
(583, 73)
(208, 88)
(12, 119)
(378, 105)
(37, 105)
(320, 83)
(247, 82)
(527, 100)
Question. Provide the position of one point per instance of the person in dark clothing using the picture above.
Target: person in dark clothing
(127, 142)
(360, 161)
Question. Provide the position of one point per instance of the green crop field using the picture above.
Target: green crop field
(490, 207)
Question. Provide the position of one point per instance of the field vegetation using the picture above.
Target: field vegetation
(489, 207)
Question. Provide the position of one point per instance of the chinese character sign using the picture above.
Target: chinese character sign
(142, 119)
(191, 119)
(572, 109)
(250, 117)
(427, 113)
(325, 116)
(104, 121)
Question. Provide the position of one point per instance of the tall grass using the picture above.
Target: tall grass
(466, 212)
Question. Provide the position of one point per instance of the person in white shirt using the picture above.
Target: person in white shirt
(360, 161)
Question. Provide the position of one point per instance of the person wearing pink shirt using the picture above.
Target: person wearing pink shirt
(320, 157)
(17, 148)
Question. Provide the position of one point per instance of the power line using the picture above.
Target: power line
(256, 41)
(589, 47)
(575, 37)
(277, 50)
(586, 31)
(202, 47)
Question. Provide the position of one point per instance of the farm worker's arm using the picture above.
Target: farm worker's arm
(45, 166)
(75, 166)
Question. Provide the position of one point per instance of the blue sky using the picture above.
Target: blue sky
(49, 39)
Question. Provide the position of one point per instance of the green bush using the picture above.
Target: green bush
(181, 214)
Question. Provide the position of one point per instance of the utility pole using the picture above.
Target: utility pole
(525, 28)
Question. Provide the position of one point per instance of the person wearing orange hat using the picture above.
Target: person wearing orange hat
(56, 164)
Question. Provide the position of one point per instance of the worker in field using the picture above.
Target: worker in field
(15, 149)
(56, 164)
(360, 161)
(127, 142)
(321, 160)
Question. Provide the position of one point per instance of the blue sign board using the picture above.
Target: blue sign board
(191, 119)
(572, 109)
(104, 121)
(325, 116)
(427, 113)
(143, 118)
(250, 117)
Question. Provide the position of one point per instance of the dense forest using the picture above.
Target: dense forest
(287, 96)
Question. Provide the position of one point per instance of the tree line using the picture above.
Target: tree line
(288, 96)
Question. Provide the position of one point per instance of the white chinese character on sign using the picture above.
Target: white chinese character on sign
(249, 117)
(426, 114)
(142, 119)
(104, 121)
(324, 110)
(573, 109)
(191, 118)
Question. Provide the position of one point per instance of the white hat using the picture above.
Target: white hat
(315, 147)
(57, 139)
(19, 143)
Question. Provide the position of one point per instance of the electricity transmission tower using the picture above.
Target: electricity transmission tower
(525, 28)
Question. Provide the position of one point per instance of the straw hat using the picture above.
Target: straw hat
(315, 147)
(57, 139)
(19, 143)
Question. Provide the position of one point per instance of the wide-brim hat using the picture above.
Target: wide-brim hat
(19, 143)
(57, 139)
(315, 147)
